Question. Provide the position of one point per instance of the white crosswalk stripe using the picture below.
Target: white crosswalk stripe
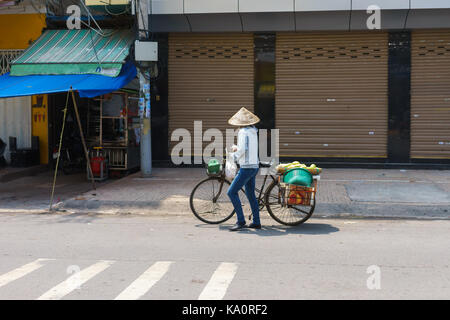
(219, 282)
(215, 289)
(21, 271)
(143, 284)
(75, 281)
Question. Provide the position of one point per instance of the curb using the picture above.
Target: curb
(181, 207)
(383, 211)
(178, 207)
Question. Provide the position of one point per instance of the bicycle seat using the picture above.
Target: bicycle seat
(264, 164)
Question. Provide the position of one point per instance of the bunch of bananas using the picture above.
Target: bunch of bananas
(283, 167)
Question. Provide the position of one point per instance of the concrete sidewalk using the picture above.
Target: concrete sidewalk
(31, 194)
(377, 193)
(8, 174)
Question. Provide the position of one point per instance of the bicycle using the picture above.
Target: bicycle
(209, 201)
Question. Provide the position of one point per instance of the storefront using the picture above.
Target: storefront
(330, 89)
(210, 75)
(430, 94)
(16, 114)
(361, 97)
(15, 121)
(64, 62)
(332, 94)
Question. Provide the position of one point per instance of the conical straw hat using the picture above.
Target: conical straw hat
(243, 118)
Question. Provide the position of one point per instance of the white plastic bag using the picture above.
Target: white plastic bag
(230, 167)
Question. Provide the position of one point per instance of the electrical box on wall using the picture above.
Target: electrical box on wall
(146, 50)
(111, 7)
(106, 2)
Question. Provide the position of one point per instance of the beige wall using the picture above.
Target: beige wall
(15, 121)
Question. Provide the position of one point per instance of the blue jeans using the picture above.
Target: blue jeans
(244, 177)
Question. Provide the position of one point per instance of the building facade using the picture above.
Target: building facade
(342, 81)
(22, 117)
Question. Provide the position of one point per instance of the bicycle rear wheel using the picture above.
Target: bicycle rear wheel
(202, 201)
(290, 215)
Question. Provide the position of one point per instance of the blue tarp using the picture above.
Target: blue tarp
(87, 85)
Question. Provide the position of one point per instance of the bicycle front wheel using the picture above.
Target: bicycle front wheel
(289, 215)
(209, 201)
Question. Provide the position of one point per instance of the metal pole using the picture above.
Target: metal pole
(142, 14)
(59, 151)
(86, 153)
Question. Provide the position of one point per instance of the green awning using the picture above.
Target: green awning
(84, 51)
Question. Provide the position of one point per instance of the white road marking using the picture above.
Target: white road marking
(143, 284)
(75, 281)
(219, 282)
(21, 271)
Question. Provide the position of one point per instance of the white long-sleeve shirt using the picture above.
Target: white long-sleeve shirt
(247, 148)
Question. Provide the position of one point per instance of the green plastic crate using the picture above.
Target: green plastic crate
(298, 177)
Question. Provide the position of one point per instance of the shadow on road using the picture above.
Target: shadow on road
(270, 231)
(77, 218)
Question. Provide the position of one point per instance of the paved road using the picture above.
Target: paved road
(134, 257)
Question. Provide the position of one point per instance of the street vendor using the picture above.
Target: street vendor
(246, 155)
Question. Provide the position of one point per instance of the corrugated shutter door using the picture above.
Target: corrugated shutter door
(430, 94)
(210, 78)
(15, 121)
(332, 94)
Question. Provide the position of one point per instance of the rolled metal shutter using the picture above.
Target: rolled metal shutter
(332, 94)
(15, 121)
(430, 94)
(210, 79)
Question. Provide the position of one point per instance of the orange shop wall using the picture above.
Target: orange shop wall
(18, 31)
(39, 124)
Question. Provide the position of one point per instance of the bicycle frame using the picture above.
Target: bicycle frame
(222, 180)
(261, 191)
